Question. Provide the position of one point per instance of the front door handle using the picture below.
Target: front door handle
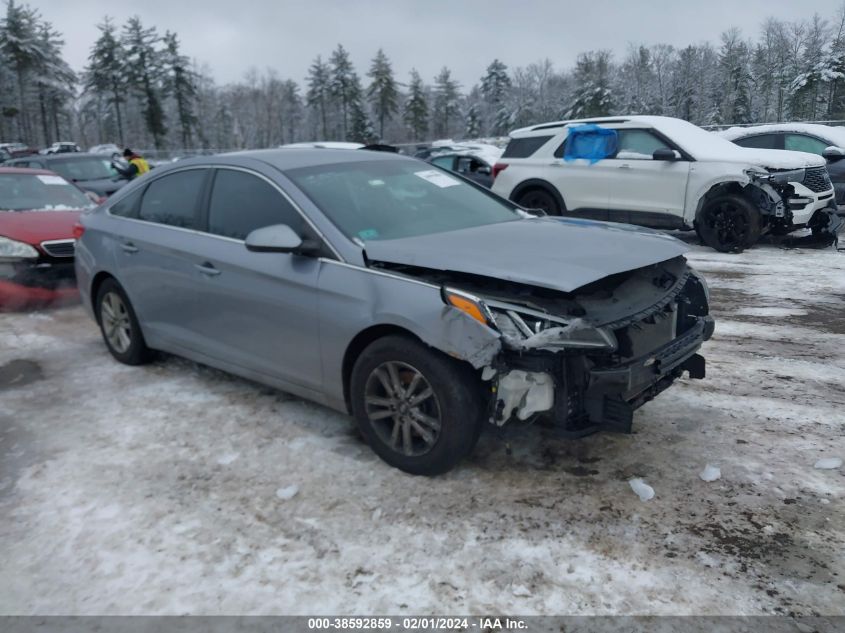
(624, 166)
(128, 247)
(207, 269)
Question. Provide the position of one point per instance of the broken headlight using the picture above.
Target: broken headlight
(533, 330)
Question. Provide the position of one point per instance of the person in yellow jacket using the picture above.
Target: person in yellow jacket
(138, 166)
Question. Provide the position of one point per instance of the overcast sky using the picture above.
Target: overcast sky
(233, 35)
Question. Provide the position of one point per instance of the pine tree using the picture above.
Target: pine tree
(55, 82)
(360, 127)
(382, 92)
(415, 113)
(318, 94)
(593, 95)
(473, 122)
(495, 87)
(445, 102)
(181, 84)
(344, 86)
(20, 43)
(144, 70)
(104, 73)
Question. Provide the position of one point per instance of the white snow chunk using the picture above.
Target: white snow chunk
(288, 492)
(521, 591)
(710, 473)
(643, 490)
(828, 463)
(376, 514)
(227, 458)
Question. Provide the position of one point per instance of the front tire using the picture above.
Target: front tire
(537, 198)
(729, 223)
(119, 325)
(418, 409)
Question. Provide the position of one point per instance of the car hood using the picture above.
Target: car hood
(34, 227)
(558, 253)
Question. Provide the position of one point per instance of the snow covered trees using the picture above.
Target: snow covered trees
(446, 103)
(383, 93)
(415, 112)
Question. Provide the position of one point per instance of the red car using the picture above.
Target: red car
(38, 211)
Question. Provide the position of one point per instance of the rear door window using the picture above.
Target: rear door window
(174, 199)
(241, 202)
(446, 162)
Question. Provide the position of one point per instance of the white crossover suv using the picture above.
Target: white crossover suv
(670, 174)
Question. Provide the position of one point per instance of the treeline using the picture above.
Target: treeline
(139, 88)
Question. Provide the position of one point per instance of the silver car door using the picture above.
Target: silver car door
(256, 311)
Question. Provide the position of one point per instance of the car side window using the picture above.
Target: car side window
(638, 144)
(445, 162)
(128, 206)
(761, 141)
(172, 199)
(804, 143)
(241, 203)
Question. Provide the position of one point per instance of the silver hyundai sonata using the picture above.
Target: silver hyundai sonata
(381, 286)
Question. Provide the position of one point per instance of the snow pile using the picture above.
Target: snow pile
(642, 489)
(710, 473)
(828, 463)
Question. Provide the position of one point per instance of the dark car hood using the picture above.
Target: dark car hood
(101, 186)
(34, 227)
(558, 253)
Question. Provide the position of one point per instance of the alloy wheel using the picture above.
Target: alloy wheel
(728, 224)
(402, 408)
(116, 324)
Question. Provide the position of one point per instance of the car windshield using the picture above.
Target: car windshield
(372, 200)
(88, 168)
(47, 192)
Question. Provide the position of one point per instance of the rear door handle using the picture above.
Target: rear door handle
(207, 269)
(128, 247)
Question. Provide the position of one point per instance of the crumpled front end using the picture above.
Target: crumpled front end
(589, 360)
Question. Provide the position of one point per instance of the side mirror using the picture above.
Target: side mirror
(664, 153)
(279, 238)
(834, 153)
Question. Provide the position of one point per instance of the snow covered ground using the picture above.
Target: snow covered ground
(174, 488)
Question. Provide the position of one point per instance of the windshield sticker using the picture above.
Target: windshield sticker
(52, 180)
(437, 178)
(368, 234)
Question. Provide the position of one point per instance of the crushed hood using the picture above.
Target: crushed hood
(557, 253)
(778, 158)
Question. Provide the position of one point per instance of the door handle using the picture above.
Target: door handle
(128, 247)
(624, 166)
(207, 269)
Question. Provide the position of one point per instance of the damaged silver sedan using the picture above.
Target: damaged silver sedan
(420, 303)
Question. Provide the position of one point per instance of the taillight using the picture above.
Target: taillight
(497, 168)
(78, 230)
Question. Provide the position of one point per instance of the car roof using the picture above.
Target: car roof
(293, 158)
(63, 157)
(25, 171)
(559, 125)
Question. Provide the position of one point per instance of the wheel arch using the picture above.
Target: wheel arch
(538, 183)
(96, 283)
(359, 343)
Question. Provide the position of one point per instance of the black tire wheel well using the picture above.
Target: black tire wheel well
(728, 220)
(539, 195)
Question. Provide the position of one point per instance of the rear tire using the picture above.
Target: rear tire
(537, 198)
(431, 421)
(729, 223)
(119, 325)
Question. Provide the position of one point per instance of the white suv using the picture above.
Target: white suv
(668, 173)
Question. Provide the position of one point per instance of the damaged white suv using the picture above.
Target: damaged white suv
(662, 172)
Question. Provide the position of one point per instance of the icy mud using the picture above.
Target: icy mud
(174, 488)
